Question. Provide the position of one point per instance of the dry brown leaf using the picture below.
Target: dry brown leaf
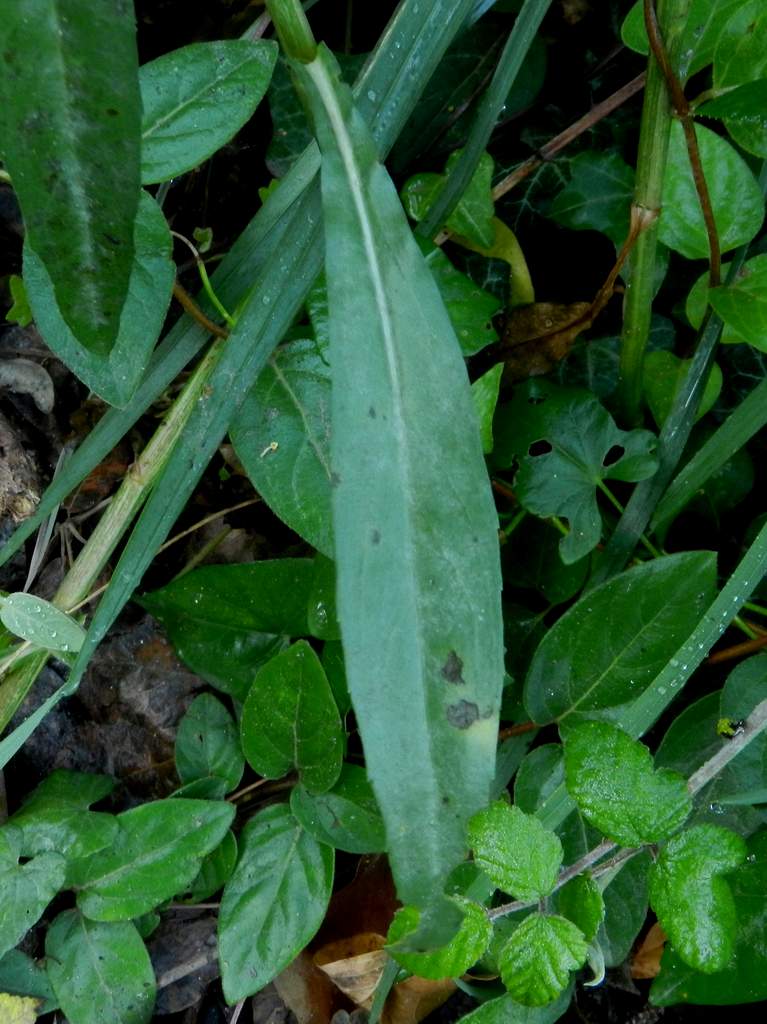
(308, 992)
(646, 961)
(414, 999)
(539, 336)
(354, 965)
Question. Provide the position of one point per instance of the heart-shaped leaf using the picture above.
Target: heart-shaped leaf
(662, 377)
(208, 744)
(346, 816)
(612, 779)
(697, 304)
(694, 905)
(472, 216)
(597, 197)
(566, 445)
(27, 888)
(741, 60)
(536, 961)
(743, 304)
(515, 851)
(466, 947)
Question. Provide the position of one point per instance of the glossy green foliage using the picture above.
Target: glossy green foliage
(215, 871)
(694, 904)
(743, 304)
(735, 196)
(515, 851)
(536, 961)
(156, 854)
(744, 978)
(345, 817)
(473, 216)
(566, 444)
(454, 959)
(114, 375)
(226, 621)
(581, 902)
(71, 110)
(27, 888)
(321, 615)
(290, 720)
(626, 901)
(400, 540)
(664, 375)
(604, 651)
(208, 743)
(597, 197)
(40, 623)
(99, 971)
(506, 1010)
(485, 391)
(697, 303)
(612, 779)
(273, 903)
(196, 98)
(55, 817)
(741, 61)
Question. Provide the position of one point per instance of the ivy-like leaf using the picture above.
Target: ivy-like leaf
(612, 779)
(472, 216)
(208, 744)
(515, 850)
(536, 961)
(27, 888)
(613, 642)
(736, 198)
(290, 720)
(225, 621)
(156, 854)
(567, 444)
(466, 947)
(99, 971)
(196, 98)
(581, 902)
(346, 817)
(664, 374)
(273, 903)
(597, 197)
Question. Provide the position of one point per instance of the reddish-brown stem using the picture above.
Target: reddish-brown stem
(740, 650)
(517, 730)
(185, 299)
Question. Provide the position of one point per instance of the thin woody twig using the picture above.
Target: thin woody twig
(185, 299)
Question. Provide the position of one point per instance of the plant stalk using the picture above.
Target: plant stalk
(293, 29)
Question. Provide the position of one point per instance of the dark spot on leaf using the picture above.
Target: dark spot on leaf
(539, 448)
(375, 536)
(445, 801)
(335, 479)
(111, 239)
(613, 455)
(112, 112)
(372, 412)
(462, 714)
(453, 668)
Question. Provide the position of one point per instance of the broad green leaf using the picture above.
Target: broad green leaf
(290, 720)
(735, 196)
(212, 788)
(116, 374)
(611, 644)
(612, 779)
(506, 1010)
(597, 197)
(155, 855)
(321, 614)
(290, 407)
(694, 905)
(27, 888)
(485, 391)
(625, 899)
(55, 817)
(346, 816)
(514, 850)
(225, 621)
(705, 23)
(401, 540)
(744, 978)
(741, 104)
(664, 374)
(743, 304)
(741, 60)
(473, 216)
(100, 971)
(274, 902)
(71, 113)
(40, 622)
(335, 670)
(453, 960)
(196, 98)
(20, 975)
(215, 872)
(697, 303)
(468, 306)
(537, 960)
(566, 445)
(208, 743)
(581, 902)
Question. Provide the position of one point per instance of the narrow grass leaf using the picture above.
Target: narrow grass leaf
(405, 544)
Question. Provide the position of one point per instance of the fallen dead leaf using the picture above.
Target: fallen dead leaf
(308, 992)
(646, 961)
(354, 965)
(539, 336)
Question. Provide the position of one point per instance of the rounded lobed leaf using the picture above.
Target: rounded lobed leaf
(208, 743)
(454, 959)
(515, 851)
(535, 963)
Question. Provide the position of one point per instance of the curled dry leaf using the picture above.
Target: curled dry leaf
(540, 335)
(646, 961)
(354, 965)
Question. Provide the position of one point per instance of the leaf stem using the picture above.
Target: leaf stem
(293, 29)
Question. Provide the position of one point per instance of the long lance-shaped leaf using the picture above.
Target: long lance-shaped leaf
(397, 59)
(71, 122)
(414, 526)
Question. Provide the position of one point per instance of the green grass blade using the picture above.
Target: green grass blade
(71, 108)
(740, 426)
(514, 52)
(424, 666)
